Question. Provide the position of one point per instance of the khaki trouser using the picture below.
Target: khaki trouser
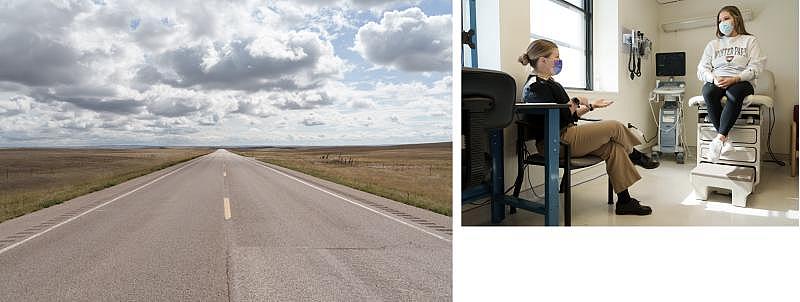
(609, 140)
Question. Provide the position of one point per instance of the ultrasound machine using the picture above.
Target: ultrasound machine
(668, 97)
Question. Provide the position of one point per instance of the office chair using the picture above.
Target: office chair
(567, 162)
(487, 99)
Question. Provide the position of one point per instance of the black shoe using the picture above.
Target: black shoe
(632, 207)
(646, 162)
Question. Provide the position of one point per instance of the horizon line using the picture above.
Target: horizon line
(232, 146)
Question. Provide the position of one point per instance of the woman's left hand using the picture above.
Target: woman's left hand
(725, 82)
(601, 103)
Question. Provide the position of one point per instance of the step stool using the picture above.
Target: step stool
(738, 179)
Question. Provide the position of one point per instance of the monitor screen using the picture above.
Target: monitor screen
(671, 64)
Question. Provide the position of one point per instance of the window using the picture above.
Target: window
(568, 23)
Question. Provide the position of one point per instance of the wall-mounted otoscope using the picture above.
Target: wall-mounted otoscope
(639, 46)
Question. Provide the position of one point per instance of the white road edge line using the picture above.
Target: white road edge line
(353, 202)
(92, 209)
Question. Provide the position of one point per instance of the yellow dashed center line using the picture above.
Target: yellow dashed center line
(227, 205)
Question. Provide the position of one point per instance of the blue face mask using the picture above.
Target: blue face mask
(726, 27)
(557, 67)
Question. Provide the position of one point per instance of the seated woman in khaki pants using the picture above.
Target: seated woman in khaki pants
(609, 140)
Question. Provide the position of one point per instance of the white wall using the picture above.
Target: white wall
(631, 98)
(774, 23)
(605, 33)
(631, 101)
(488, 33)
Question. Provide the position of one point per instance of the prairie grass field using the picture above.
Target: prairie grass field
(32, 179)
(418, 175)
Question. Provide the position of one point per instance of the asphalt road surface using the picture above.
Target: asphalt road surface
(223, 227)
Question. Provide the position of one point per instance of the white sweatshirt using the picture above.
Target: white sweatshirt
(732, 56)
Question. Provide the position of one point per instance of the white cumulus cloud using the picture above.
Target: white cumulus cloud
(217, 72)
(407, 40)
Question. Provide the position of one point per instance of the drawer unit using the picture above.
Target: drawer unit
(739, 154)
(749, 117)
(738, 135)
(746, 137)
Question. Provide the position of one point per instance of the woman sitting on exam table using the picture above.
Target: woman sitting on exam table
(609, 140)
(729, 66)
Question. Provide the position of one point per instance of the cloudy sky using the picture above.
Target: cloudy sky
(299, 72)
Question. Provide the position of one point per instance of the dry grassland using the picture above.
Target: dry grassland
(418, 175)
(32, 179)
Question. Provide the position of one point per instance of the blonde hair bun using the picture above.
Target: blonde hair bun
(537, 49)
(524, 59)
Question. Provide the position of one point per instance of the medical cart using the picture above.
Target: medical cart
(668, 97)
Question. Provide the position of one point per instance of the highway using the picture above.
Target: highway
(224, 227)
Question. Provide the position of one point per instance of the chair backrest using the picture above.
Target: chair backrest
(494, 85)
(765, 84)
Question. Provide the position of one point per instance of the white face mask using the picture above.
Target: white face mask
(726, 27)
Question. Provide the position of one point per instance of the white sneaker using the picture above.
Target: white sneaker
(714, 150)
(726, 147)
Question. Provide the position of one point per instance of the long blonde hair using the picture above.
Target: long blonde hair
(537, 49)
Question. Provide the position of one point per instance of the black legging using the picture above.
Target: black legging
(724, 118)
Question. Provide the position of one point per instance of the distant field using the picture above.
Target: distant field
(32, 179)
(419, 175)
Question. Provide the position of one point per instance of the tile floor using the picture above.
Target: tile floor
(668, 191)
